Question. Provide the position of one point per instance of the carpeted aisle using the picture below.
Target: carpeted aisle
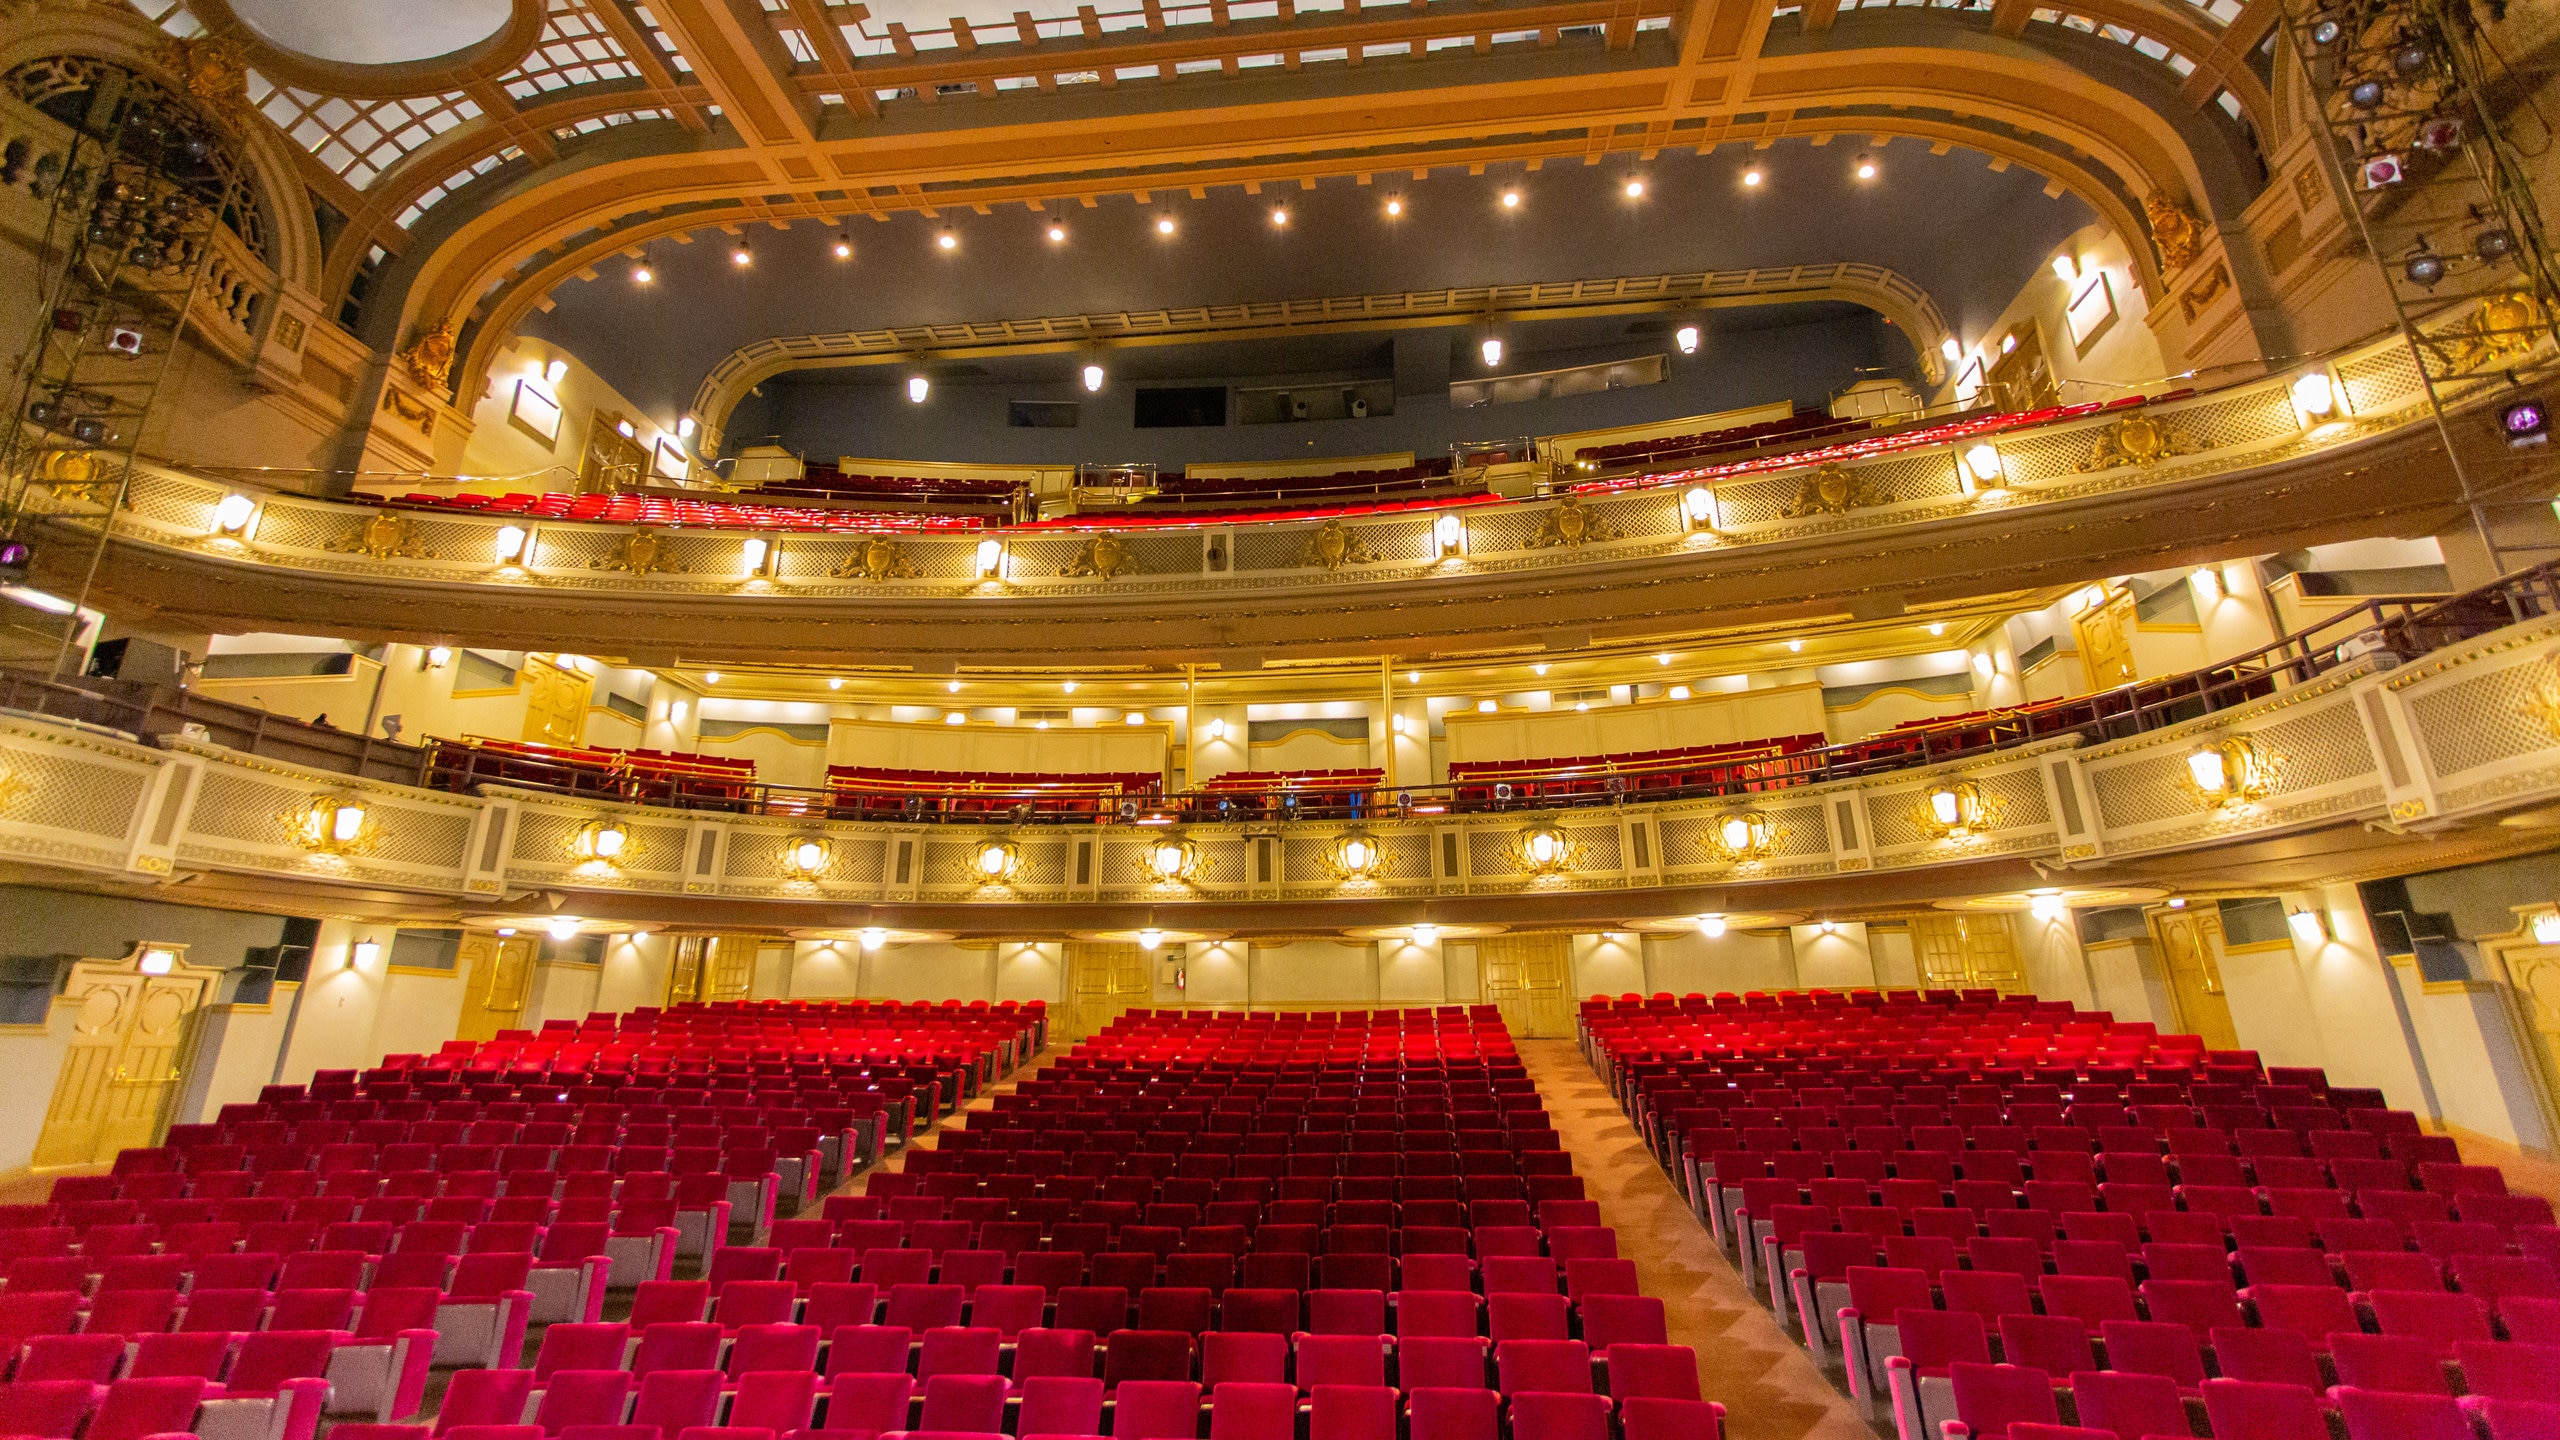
(1769, 1387)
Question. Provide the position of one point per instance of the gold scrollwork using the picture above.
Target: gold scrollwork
(2500, 330)
(642, 552)
(877, 558)
(2542, 706)
(385, 536)
(1103, 557)
(1572, 526)
(2142, 440)
(214, 73)
(1332, 545)
(1831, 490)
(430, 357)
(2173, 230)
(76, 475)
(410, 409)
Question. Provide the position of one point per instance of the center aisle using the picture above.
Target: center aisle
(1769, 1388)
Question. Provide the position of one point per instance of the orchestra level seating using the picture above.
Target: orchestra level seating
(1990, 1214)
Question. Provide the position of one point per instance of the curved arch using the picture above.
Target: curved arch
(473, 64)
(124, 37)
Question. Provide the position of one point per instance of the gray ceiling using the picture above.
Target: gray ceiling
(1965, 233)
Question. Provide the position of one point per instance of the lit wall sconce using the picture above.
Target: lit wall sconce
(601, 840)
(807, 857)
(1686, 337)
(362, 954)
(511, 544)
(758, 554)
(1150, 938)
(1957, 809)
(2309, 926)
(1426, 933)
(1711, 926)
(918, 388)
(1451, 532)
(2315, 397)
(331, 824)
(990, 559)
(2228, 772)
(2207, 583)
(1981, 466)
(1172, 860)
(1218, 729)
(1742, 837)
(2048, 905)
(1545, 850)
(555, 372)
(1134, 717)
(998, 862)
(873, 937)
(2546, 928)
(1354, 856)
(1698, 507)
(563, 927)
(157, 962)
(1828, 927)
(232, 514)
(436, 657)
(1492, 349)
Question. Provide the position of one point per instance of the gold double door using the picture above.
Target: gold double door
(130, 1044)
(1967, 952)
(2105, 633)
(713, 967)
(1530, 979)
(2190, 944)
(555, 702)
(1105, 980)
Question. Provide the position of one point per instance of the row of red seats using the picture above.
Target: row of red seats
(630, 509)
(1141, 519)
(1802, 425)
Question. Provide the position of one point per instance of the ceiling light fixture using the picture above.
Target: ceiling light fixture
(742, 255)
(1635, 189)
(1057, 234)
(1866, 167)
(918, 387)
(1510, 199)
(641, 274)
(1395, 206)
(873, 937)
(1751, 176)
(835, 682)
(844, 246)
(948, 240)
(1686, 337)
(1492, 351)
(2065, 269)
(1538, 669)
(1795, 646)
(1711, 926)
(1951, 348)
(1092, 378)
(1279, 215)
(1164, 224)
(564, 928)
(710, 677)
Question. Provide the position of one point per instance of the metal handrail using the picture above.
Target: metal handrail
(2395, 627)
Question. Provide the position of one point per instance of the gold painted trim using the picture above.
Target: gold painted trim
(426, 970)
(2262, 947)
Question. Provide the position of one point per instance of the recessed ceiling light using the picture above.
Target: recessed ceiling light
(1057, 234)
(844, 247)
(948, 240)
(1796, 645)
(1164, 224)
(1510, 199)
(953, 687)
(1413, 677)
(1395, 206)
(1751, 176)
(1635, 189)
(742, 255)
(835, 682)
(1938, 628)
(1071, 687)
(1538, 669)
(1662, 659)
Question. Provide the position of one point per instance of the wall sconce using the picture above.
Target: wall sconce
(564, 927)
(601, 840)
(1698, 507)
(511, 543)
(1218, 729)
(1354, 856)
(1711, 926)
(1981, 465)
(362, 954)
(1426, 934)
(2048, 905)
(157, 962)
(2207, 583)
(1957, 809)
(1742, 837)
(2228, 772)
(436, 658)
(807, 857)
(331, 824)
(1451, 532)
(990, 559)
(233, 513)
(758, 554)
(1150, 938)
(1828, 927)
(1171, 859)
(997, 862)
(1686, 337)
(2309, 926)
(2315, 397)
(1545, 849)
(2546, 928)
(873, 937)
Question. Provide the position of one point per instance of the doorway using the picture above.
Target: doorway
(555, 702)
(2190, 944)
(131, 1040)
(1528, 978)
(713, 967)
(2106, 641)
(497, 979)
(1967, 952)
(613, 460)
(1104, 981)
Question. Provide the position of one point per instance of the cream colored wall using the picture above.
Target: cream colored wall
(561, 991)
(350, 1015)
(1837, 961)
(1608, 963)
(1896, 956)
(1028, 970)
(633, 972)
(1883, 709)
(1217, 972)
(1124, 749)
(1209, 758)
(1687, 963)
(2127, 982)
(1315, 972)
(1312, 750)
(1411, 973)
(35, 1052)
(2123, 356)
(2329, 1002)
(779, 759)
(1710, 719)
(499, 448)
(927, 971)
(342, 698)
(235, 1055)
(2478, 1068)
(2049, 950)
